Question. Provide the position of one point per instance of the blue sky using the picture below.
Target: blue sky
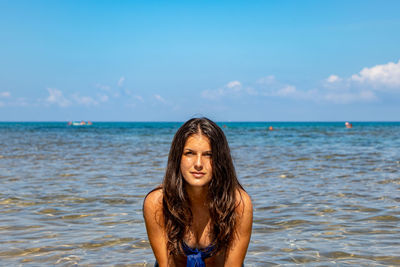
(171, 60)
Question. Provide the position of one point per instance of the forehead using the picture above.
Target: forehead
(198, 141)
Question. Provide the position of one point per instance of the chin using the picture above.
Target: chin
(197, 183)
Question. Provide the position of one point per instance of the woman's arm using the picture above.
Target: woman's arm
(236, 253)
(153, 217)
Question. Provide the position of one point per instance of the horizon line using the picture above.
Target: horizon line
(226, 121)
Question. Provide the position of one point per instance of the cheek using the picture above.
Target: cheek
(209, 165)
(185, 163)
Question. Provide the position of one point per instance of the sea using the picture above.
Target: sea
(323, 194)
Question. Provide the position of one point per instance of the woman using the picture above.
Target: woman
(200, 215)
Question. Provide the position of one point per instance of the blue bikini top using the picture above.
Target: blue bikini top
(195, 257)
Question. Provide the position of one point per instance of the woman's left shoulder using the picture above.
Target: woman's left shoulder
(243, 202)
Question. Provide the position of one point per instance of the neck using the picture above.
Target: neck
(197, 195)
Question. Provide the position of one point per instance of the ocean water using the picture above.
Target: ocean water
(323, 195)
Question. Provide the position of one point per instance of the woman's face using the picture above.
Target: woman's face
(196, 165)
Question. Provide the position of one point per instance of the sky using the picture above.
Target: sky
(226, 60)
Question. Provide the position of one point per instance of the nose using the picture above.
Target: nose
(198, 165)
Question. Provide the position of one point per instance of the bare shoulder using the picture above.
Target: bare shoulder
(153, 217)
(153, 201)
(244, 211)
(243, 202)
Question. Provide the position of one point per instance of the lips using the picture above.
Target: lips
(197, 174)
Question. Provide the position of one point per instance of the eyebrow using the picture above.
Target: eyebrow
(191, 150)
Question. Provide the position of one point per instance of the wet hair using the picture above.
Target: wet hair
(221, 189)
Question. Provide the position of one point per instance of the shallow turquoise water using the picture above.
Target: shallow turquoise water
(323, 195)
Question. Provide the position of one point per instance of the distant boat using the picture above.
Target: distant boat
(80, 123)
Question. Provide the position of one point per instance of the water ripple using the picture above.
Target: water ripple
(322, 195)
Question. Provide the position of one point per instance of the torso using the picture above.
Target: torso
(199, 236)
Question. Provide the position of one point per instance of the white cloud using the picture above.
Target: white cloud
(138, 97)
(363, 86)
(121, 81)
(102, 98)
(84, 100)
(103, 87)
(269, 86)
(57, 97)
(127, 92)
(229, 89)
(111, 92)
(333, 79)
(233, 84)
(213, 94)
(5, 94)
(267, 80)
(340, 91)
(15, 102)
(350, 97)
(251, 91)
(387, 75)
(160, 98)
(287, 91)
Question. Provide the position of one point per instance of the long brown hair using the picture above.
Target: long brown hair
(221, 189)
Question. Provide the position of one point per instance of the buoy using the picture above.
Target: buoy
(348, 125)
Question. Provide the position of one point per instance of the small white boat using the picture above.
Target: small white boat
(80, 123)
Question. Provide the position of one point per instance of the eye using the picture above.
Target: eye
(209, 154)
(187, 153)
